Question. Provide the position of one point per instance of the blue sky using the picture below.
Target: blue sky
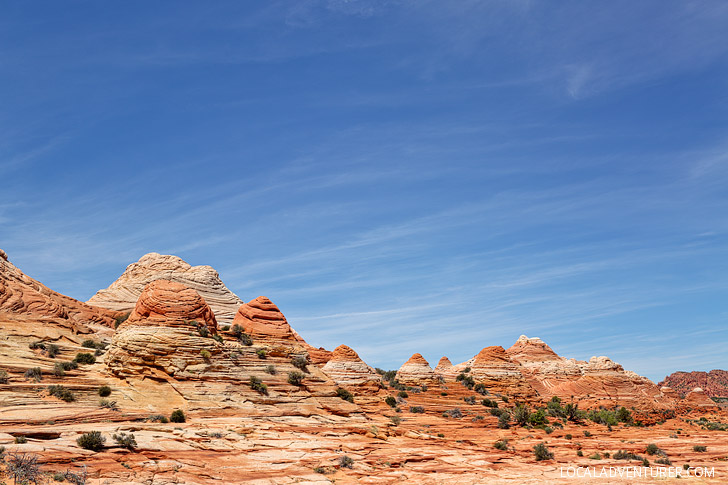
(397, 176)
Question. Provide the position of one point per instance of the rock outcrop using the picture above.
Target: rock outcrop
(416, 372)
(348, 370)
(168, 339)
(713, 383)
(123, 293)
(22, 295)
(443, 366)
(698, 398)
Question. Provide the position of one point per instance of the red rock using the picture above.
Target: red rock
(347, 369)
(261, 319)
(713, 383)
(416, 372)
(698, 398)
(443, 365)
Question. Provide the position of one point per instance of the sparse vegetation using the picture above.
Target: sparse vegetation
(205, 354)
(391, 402)
(542, 453)
(538, 418)
(595, 456)
(489, 403)
(663, 461)
(469, 399)
(504, 420)
(652, 449)
(92, 344)
(579, 453)
(104, 391)
(466, 380)
(344, 394)
(124, 440)
(270, 369)
(396, 420)
(157, 418)
(568, 436)
(626, 455)
(237, 331)
(587, 434)
(34, 373)
(346, 462)
(4, 376)
(501, 445)
(52, 350)
(23, 467)
(105, 403)
(91, 441)
(417, 409)
(300, 362)
(453, 413)
(403, 394)
(20, 440)
(261, 353)
(61, 392)
(480, 389)
(177, 416)
(521, 415)
(218, 338)
(700, 448)
(85, 358)
(257, 385)
(295, 378)
(58, 370)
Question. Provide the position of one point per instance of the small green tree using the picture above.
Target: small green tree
(177, 416)
(91, 441)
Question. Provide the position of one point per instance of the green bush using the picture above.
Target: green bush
(652, 449)
(205, 354)
(403, 394)
(52, 350)
(91, 441)
(4, 376)
(396, 420)
(489, 403)
(521, 415)
(480, 389)
(392, 402)
(626, 455)
(34, 373)
(105, 403)
(568, 436)
(344, 394)
(295, 378)
(20, 440)
(58, 370)
(70, 365)
(700, 448)
(237, 331)
(623, 415)
(157, 418)
(177, 416)
(270, 370)
(300, 362)
(217, 338)
(85, 358)
(261, 353)
(501, 445)
(61, 392)
(417, 409)
(663, 461)
(104, 391)
(504, 420)
(466, 380)
(579, 453)
(346, 462)
(538, 418)
(257, 385)
(124, 440)
(542, 453)
(453, 413)
(595, 456)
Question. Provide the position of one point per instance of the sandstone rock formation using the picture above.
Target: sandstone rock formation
(698, 398)
(168, 339)
(493, 368)
(20, 294)
(348, 370)
(443, 366)
(123, 293)
(317, 355)
(416, 372)
(713, 383)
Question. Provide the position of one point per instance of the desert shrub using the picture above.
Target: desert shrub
(91, 441)
(85, 358)
(440, 435)
(496, 411)
(478, 417)
(554, 408)
(58, 370)
(34, 373)
(663, 461)
(579, 453)
(489, 403)
(20, 440)
(257, 385)
(595, 456)
(4, 376)
(521, 415)
(270, 369)
(205, 354)
(105, 403)
(538, 418)
(467, 369)
(402, 394)
(346, 462)
(700, 448)
(217, 338)
(157, 418)
(469, 399)
(59, 477)
(391, 402)
(37, 346)
(443, 393)
(504, 420)
(652, 449)
(503, 398)
(587, 434)
(501, 445)
(245, 339)
(396, 420)
(623, 415)
(319, 469)
(466, 380)
(104, 391)
(568, 436)
(573, 413)
(61, 392)
(417, 409)
(295, 378)
(261, 353)
(70, 365)
(603, 416)
(542, 453)
(626, 455)
(480, 389)
(177, 416)
(90, 344)
(124, 440)
(202, 330)
(121, 319)
(300, 362)
(344, 394)
(548, 429)
(453, 413)
(52, 350)
(24, 468)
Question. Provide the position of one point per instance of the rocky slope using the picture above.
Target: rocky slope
(714, 383)
(123, 293)
(22, 295)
